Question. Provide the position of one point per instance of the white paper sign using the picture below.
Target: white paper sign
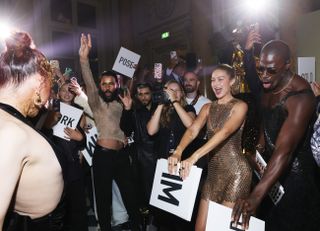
(92, 136)
(277, 190)
(171, 193)
(70, 117)
(307, 68)
(219, 218)
(126, 62)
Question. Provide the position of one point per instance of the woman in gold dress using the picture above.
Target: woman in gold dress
(229, 172)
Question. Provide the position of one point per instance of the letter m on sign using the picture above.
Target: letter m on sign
(172, 187)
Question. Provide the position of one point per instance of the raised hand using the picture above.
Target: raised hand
(126, 100)
(75, 87)
(85, 46)
(253, 37)
(172, 95)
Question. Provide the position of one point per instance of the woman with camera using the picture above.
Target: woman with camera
(168, 123)
(170, 119)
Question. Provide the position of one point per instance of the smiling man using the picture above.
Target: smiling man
(288, 105)
(110, 160)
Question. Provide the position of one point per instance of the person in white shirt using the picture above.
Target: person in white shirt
(191, 85)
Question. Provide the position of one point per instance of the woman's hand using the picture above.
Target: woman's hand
(85, 46)
(73, 134)
(173, 161)
(172, 95)
(75, 87)
(185, 167)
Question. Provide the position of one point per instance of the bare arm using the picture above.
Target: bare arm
(12, 160)
(236, 118)
(154, 123)
(190, 134)
(186, 117)
(300, 109)
(92, 90)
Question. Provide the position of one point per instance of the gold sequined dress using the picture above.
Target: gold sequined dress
(229, 172)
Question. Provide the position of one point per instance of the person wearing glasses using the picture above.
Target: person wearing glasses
(288, 105)
(169, 121)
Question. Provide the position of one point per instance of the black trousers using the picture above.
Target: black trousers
(51, 222)
(76, 212)
(111, 165)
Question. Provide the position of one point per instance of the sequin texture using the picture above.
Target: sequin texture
(229, 172)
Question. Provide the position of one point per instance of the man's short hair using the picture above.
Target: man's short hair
(143, 85)
(109, 73)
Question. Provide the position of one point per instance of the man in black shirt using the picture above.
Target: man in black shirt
(135, 120)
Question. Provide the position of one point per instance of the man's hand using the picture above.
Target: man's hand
(253, 37)
(245, 207)
(126, 100)
(85, 46)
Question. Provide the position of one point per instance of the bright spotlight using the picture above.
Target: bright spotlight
(254, 6)
(5, 30)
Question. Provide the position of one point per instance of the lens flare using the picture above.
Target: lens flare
(5, 30)
(254, 6)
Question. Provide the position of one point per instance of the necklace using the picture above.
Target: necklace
(282, 89)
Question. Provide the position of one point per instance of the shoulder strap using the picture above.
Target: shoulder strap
(292, 93)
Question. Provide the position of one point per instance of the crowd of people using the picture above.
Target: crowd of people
(43, 184)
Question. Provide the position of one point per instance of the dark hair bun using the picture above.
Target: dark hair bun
(19, 43)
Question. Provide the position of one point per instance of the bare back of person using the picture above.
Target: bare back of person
(39, 175)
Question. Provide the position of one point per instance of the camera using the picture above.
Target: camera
(160, 97)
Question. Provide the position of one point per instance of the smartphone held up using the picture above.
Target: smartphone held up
(158, 70)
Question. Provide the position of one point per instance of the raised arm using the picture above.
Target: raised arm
(235, 120)
(190, 134)
(300, 110)
(92, 90)
(12, 160)
(186, 117)
(154, 123)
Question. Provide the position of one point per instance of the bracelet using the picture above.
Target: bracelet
(174, 101)
(260, 148)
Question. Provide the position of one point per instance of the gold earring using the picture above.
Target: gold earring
(38, 100)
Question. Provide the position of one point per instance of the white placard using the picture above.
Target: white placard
(171, 193)
(307, 68)
(92, 136)
(219, 218)
(70, 117)
(126, 62)
(277, 190)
